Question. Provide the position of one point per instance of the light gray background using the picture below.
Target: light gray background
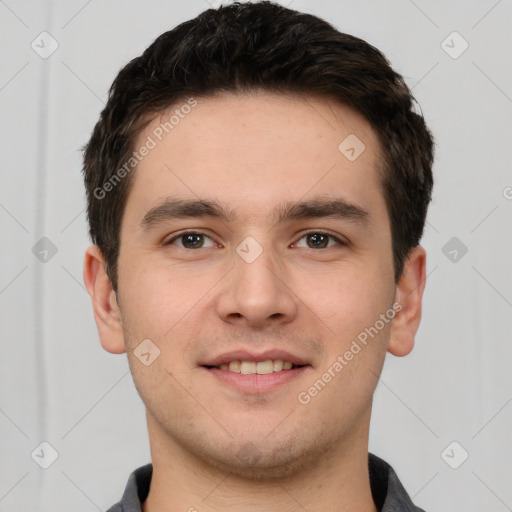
(59, 386)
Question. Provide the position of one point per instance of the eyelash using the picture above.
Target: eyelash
(312, 232)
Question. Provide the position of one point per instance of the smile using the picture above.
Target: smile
(257, 367)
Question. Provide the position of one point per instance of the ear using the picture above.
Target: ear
(104, 301)
(409, 294)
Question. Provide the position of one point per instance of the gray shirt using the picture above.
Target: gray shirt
(388, 493)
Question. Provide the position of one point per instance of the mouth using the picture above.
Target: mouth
(256, 367)
(256, 374)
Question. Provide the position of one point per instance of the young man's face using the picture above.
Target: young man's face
(278, 278)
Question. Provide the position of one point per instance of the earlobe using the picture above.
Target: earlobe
(409, 296)
(107, 313)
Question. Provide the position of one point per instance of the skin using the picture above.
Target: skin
(196, 303)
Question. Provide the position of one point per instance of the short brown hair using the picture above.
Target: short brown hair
(261, 46)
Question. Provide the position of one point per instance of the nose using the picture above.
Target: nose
(257, 294)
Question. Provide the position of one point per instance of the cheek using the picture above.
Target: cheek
(156, 298)
(348, 303)
(166, 306)
(355, 351)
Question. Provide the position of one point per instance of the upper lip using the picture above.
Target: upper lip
(245, 355)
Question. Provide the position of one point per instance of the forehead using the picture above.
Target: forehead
(255, 150)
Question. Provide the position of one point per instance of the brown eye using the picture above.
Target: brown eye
(191, 240)
(319, 240)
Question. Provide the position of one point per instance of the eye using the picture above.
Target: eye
(191, 240)
(319, 240)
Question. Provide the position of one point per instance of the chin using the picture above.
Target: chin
(247, 461)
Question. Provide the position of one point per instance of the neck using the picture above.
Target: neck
(337, 480)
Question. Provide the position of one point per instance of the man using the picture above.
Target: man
(257, 189)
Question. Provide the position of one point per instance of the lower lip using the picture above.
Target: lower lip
(255, 383)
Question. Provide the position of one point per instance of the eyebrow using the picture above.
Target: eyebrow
(174, 208)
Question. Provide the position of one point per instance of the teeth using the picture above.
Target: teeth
(248, 367)
(234, 366)
(261, 367)
(264, 367)
(278, 365)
